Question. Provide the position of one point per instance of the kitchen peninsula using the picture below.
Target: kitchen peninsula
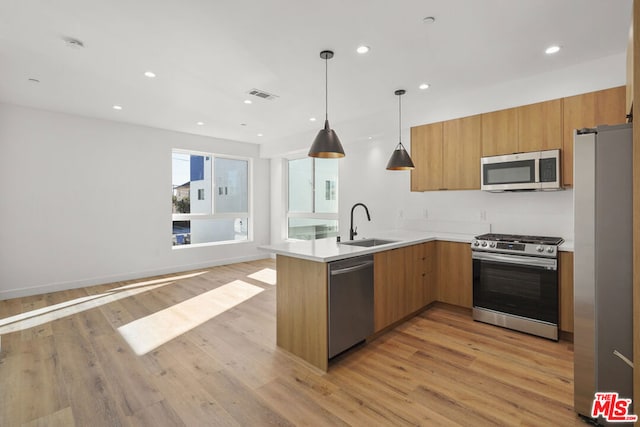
(404, 283)
(414, 270)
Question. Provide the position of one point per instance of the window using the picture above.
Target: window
(313, 198)
(199, 218)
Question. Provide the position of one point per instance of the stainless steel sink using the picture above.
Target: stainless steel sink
(367, 243)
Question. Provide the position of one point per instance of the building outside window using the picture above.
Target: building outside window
(199, 218)
(312, 211)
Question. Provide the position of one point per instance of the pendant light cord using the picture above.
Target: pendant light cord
(326, 88)
(400, 119)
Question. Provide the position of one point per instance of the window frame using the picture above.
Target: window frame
(310, 215)
(213, 215)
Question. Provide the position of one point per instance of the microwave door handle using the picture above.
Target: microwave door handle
(537, 171)
(518, 260)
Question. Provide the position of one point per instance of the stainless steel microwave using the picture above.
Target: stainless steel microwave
(536, 170)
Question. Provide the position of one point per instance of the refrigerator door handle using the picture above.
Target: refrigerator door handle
(623, 357)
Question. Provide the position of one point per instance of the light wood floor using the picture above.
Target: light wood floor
(440, 368)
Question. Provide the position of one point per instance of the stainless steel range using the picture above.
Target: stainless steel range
(515, 282)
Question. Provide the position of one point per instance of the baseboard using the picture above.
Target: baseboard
(132, 275)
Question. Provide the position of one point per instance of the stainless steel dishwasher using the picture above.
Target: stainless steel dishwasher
(350, 302)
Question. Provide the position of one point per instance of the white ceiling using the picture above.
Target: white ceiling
(208, 53)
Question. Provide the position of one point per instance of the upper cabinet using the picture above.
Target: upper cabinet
(604, 107)
(500, 132)
(540, 126)
(426, 153)
(461, 153)
(528, 128)
(447, 155)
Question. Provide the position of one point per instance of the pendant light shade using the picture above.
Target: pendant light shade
(327, 144)
(400, 159)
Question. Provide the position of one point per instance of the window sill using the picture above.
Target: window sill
(205, 245)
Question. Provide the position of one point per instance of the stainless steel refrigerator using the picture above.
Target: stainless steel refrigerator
(603, 264)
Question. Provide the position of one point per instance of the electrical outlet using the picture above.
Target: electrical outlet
(426, 213)
(483, 215)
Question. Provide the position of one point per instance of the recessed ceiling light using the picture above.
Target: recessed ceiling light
(248, 101)
(428, 20)
(362, 49)
(312, 119)
(200, 123)
(117, 107)
(370, 138)
(150, 74)
(552, 49)
(259, 134)
(424, 86)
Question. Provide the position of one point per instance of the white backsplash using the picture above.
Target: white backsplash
(459, 227)
(535, 213)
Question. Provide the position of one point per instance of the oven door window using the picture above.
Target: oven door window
(518, 172)
(525, 291)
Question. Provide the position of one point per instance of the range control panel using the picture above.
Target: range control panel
(516, 248)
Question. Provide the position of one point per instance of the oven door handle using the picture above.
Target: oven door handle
(546, 263)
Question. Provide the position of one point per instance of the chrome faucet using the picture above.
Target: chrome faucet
(354, 232)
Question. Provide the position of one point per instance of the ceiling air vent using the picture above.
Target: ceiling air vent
(262, 94)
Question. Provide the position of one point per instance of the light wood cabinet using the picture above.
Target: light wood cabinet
(462, 141)
(531, 127)
(301, 310)
(454, 273)
(426, 153)
(540, 126)
(565, 289)
(420, 276)
(447, 155)
(389, 282)
(579, 112)
(604, 107)
(402, 282)
(500, 132)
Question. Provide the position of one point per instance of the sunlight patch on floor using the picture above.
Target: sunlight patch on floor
(266, 275)
(44, 315)
(150, 332)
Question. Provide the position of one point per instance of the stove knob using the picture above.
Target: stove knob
(492, 244)
(476, 243)
(550, 249)
(484, 244)
(540, 249)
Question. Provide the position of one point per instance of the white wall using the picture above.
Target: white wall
(363, 177)
(88, 201)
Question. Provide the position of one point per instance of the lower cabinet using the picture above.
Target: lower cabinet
(410, 278)
(402, 280)
(454, 274)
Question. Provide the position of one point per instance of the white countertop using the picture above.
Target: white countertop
(326, 250)
(566, 246)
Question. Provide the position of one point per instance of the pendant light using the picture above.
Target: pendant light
(400, 159)
(326, 144)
